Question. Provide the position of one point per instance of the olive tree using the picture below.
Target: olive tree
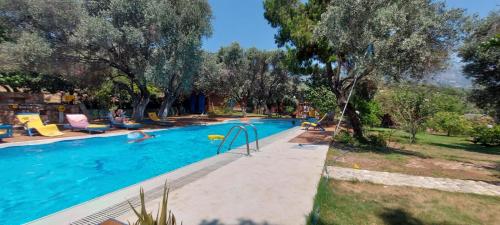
(481, 53)
(236, 78)
(135, 38)
(275, 83)
(178, 54)
(412, 106)
(365, 39)
(209, 79)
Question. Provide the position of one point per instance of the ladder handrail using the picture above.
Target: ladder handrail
(240, 128)
(255, 132)
(229, 133)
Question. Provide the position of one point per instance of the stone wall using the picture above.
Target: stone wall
(12, 103)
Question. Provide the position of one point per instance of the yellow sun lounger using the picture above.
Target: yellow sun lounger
(154, 117)
(318, 125)
(33, 121)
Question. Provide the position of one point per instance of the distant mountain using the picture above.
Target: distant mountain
(453, 76)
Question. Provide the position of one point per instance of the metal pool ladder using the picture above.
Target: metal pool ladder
(240, 128)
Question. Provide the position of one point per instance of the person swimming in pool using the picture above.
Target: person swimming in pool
(139, 136)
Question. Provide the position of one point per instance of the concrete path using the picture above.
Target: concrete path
(274, 186)
(398, 179)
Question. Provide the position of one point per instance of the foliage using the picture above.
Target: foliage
(377, 140)
(365, 39)
(481, 52)
(164, 216)
(236, 77)
(178, 60)
(33, 82)
(209, 79)
(369, 112)
(117, 38)
(106, 96)
(274, 85)
(322, 99)
(451, 123)
(486, 135)
(290, 110)
(411, 106)
(448, 102)
(250, 77)
(344, 137)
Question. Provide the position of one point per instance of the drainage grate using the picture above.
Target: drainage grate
(157, 192)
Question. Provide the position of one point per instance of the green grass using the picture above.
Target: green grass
(342, 202)
(396, 157)
(443, 141)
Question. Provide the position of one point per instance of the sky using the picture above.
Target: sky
(243, 21)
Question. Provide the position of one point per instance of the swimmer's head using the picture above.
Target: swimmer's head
(134, 135)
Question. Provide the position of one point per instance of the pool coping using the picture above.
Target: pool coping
(88, 136)
(114, 204)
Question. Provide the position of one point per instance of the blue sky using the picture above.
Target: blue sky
(243, 21)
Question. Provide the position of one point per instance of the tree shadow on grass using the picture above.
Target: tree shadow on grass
(399, 216)
(379, 150)
(493, 150)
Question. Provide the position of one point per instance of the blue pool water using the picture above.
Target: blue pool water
(39, 180)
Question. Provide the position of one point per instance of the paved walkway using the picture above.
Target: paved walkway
(398, 179)
(274, 186)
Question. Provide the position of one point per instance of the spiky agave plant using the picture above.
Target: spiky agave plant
(163, 216)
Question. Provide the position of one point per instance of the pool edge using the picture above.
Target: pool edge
(96, 209)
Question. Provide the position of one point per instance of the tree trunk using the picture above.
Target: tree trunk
(243, 107)
(139, 106)
(413, 136)
(267, 109)
(166, 106)
(351, 114)
(355, 122)
(413, 133)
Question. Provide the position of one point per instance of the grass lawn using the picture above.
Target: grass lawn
(432, 155)
(344, 202)
(436, 140)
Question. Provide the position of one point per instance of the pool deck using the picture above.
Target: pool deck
(275, 185)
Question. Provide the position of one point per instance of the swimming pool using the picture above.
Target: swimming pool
(38, 180)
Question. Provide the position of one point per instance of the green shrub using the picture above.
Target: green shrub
(163, 217)
(486, 135)
(449, 122)
(322, 99)
(344, 137)
(289, 110)
(377, 140)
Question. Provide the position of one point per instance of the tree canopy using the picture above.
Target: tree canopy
(481, 54)
(138, 39)
(366, 38)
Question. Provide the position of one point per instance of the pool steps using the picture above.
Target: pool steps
(240, 128)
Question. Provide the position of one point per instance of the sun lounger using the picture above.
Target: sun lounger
(5, 131)
(123, 125)
(32, 121)
(317, 125)
(156, 119)
(80, 122)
